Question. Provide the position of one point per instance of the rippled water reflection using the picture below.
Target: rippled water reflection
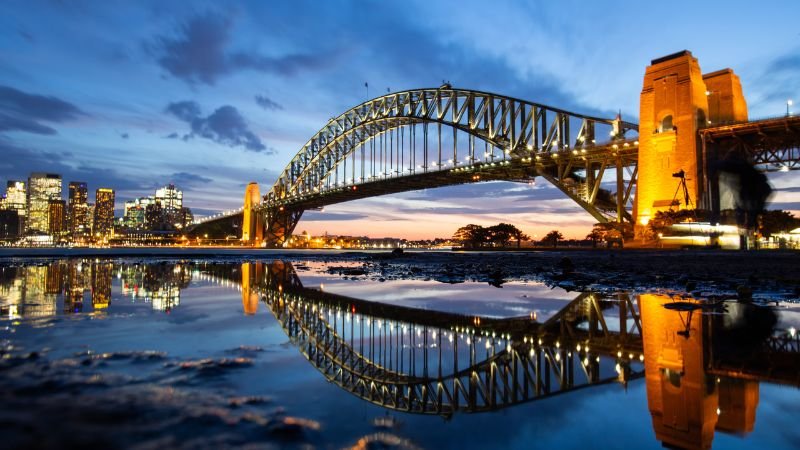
(199, 353)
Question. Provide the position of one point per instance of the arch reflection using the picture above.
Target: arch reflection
(702, 363)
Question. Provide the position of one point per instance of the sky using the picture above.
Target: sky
(212, 95)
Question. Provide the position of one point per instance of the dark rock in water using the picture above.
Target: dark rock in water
(397, 252)
(566, 265)
(744, 293)
(690, 286)
(292, 428)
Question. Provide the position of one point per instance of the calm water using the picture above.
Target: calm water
(127, 353)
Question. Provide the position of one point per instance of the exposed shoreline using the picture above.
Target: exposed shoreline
(710, 274)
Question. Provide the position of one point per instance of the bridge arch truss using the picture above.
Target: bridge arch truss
(436, 137)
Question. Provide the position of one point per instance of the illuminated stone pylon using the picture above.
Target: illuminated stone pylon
(252, 224)
(675, 102)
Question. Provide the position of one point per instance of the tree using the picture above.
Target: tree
(595, 235)
(552, 238)
(502, 233)
(519, 236)
(471, 235)
(777, 221)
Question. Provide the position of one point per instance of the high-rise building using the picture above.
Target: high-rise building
(78, 210)
(56, 218)
(9, 224)
(15, 199)
(171, 200)
(134, 216)
(104, 212)
(154, 216)
(170, 197)
(42, 187)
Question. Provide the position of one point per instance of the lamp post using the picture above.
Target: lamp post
(789, 103)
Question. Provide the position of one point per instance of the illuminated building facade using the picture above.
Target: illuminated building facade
(42, 187)
(676, 101)
(78, 211)
(104, 213)
(134, 215)
(171, 200)
(170, 197)
(56, 218)
(16, 199)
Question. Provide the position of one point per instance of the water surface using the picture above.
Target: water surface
(121, 353)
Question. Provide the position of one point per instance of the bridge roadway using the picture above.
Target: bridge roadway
(771, 144)
(558, 167)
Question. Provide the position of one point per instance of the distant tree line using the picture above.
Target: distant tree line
(476, 236)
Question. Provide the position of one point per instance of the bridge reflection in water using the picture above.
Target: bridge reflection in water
(702, 369)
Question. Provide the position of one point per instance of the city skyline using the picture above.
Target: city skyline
(210, 99)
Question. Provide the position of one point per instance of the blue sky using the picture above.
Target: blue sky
(210, 96)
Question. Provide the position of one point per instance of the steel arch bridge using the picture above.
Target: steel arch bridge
(427, 138)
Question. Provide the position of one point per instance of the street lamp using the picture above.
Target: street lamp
(789, 103)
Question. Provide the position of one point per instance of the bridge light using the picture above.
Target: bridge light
(784, 168)
(530, 147)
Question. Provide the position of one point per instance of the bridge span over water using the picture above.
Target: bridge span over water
(615, 170)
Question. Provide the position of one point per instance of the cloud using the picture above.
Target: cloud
(224, 126)
(198, 53)
(267, 103)
(186, 179)
(18, 162)
(21, 111)
(185, 110)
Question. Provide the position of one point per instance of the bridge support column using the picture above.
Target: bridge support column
(676, 102)
(252, 226)
(279, 225)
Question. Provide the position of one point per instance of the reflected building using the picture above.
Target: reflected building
(159, 285)
(687, 401)
(77, 284)
(251, 274)
(36, 300)
(11, 291)
(101, 285)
